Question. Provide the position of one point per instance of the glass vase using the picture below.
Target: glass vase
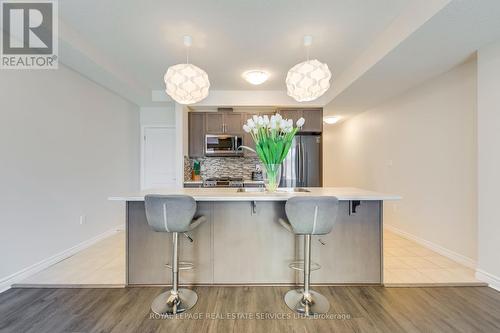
(271, 174)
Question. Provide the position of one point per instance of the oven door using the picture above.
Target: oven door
(223, 145)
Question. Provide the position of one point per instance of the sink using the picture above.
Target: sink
(262, 189)
(251, 189)
(293, 189)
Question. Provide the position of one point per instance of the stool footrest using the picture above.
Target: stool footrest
(182, 265)
(298, 265)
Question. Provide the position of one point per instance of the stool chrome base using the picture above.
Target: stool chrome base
(167, 304)
(296, 302)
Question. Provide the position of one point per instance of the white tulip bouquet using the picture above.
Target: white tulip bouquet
(273, 138)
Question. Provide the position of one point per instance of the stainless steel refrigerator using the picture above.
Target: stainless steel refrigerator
(302, 166)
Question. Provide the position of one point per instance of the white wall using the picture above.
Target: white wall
(66, 144)
(422, 146)
(158, 115)
(489, 163)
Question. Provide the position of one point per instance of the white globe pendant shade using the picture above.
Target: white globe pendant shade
(308, 80)
(186, 83)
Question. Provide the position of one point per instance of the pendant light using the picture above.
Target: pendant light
(308, 80)
(186, 83)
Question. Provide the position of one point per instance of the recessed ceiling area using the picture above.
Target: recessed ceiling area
(373, 48)
(229, 37)
(448, 39)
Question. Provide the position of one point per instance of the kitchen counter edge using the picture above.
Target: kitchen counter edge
(231, 194)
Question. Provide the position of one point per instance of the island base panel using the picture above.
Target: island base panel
(242, 243)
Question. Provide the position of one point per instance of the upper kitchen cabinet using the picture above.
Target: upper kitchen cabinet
(293, 114)
(247, 137)
(232, 123)
(248, 142)
(223, 122)
(196, 134)
(313, 118)
(214, 122)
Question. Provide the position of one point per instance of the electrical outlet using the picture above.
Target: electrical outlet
(83, 219)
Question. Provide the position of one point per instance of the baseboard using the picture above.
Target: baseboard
(466, 261)
(435, 285)
(68, 286)
(492, 280)
(7, 282)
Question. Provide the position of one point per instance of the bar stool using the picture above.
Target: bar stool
(174, 214)
(308, 216)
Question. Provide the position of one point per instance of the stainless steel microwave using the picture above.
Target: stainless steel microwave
(223, 145)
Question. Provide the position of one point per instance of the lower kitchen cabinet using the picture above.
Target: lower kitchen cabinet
(254, 185)
(193, 185)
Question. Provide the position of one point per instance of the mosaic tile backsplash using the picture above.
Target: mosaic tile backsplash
(223, 167)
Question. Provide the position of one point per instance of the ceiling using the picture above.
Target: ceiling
(229, 37)
(374, 48)
(449, 38)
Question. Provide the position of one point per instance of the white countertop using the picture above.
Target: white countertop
(231, 194)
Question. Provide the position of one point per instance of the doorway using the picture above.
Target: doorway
(158, 160)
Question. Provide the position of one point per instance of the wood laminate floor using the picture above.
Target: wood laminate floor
(358, 309)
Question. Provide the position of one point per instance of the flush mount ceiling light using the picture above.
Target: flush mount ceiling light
(308, 80)
(186, 83)
(256, 76)
(331, 120)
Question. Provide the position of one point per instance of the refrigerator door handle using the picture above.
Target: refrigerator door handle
(303, 181)
(305, 178)
(298, 163)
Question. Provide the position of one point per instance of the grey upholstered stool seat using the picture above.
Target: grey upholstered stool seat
(309, 216)
(174, 214)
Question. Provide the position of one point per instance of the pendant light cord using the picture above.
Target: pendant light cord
(188, 41)
(307, 44)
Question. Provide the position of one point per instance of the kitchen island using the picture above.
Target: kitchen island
(242, 242)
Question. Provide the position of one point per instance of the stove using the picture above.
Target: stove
(223, 182)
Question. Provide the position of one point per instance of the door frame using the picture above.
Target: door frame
(143, 144)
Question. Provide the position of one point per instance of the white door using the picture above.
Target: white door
(159, 165)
